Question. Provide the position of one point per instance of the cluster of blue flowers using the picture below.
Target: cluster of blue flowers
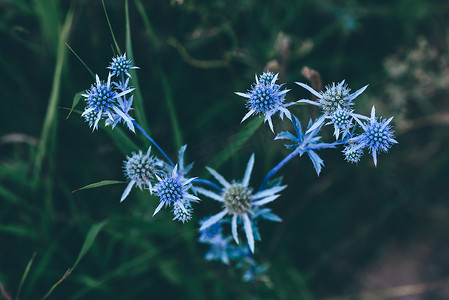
(109, 101)
(242, 205)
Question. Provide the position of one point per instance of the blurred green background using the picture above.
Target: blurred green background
(355, 232)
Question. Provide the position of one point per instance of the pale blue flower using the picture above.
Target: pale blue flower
(182, 211)
(141, 169)
(353, 153)
(220, 246)
(122, 85)
(336, 105)
(125, 106)
(252, 271)
(103, 101)
(90, 117)
(378, 135)
(307, 142)
(211, 231)
(239, 202)
(173, 190)
(181, 169)
(266, 97)
(121, 65)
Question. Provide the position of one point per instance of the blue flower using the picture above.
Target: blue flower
(103, 101)
(333, 97)
(336, 105)
(353, 153)
(220, 246)
(378, 135)
(266, 97)
(307, 142)
(141, 169)
(239, 202)
(90, 117)
(121, 65)
(173, 190)
(181, 169)
(125, 106)
(182, 211)
(210, 232)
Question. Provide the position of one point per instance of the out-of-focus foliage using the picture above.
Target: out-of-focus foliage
(354, 229)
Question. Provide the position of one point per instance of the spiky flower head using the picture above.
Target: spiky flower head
(267, 78)
(266, 98)
(182, 213)
(336, 104)
(141, 169)
(335, 95)
(170, 190)
(238, 199)
(239, 202)
(378, 135)
(101, 96)
(341, 118)
(120, 65)
(352, 154)
(102, 100)
(90, 118)
(342, 121)
(173, 190)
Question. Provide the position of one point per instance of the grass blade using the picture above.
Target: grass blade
(50, 117)
(138, 98)
(110, 28)
(177, 133)
(90, 238)
(76, 99)
(82, 61)
(98, 184)
(25, 275)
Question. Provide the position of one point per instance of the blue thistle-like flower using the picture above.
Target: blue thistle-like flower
(307, 142)
(336, 104)
(121, 65)
(90, 117)
(170, 190)
(378, 135)
(173, 190)
(334, 96)
(352, 154)
(182, 213)
(266, 97)
(342, 121)
(125, 106)
(267, 78)
(239, 202)
(103, 101)
(141, 169)
(220, 248)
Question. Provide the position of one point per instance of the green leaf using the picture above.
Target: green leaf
(76, 99)
(110, 28)
(139, 108)
(25, 275)
(90, 238)
(82, 61)
(98, 184)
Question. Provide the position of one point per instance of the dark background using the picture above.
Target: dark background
(354, 232)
